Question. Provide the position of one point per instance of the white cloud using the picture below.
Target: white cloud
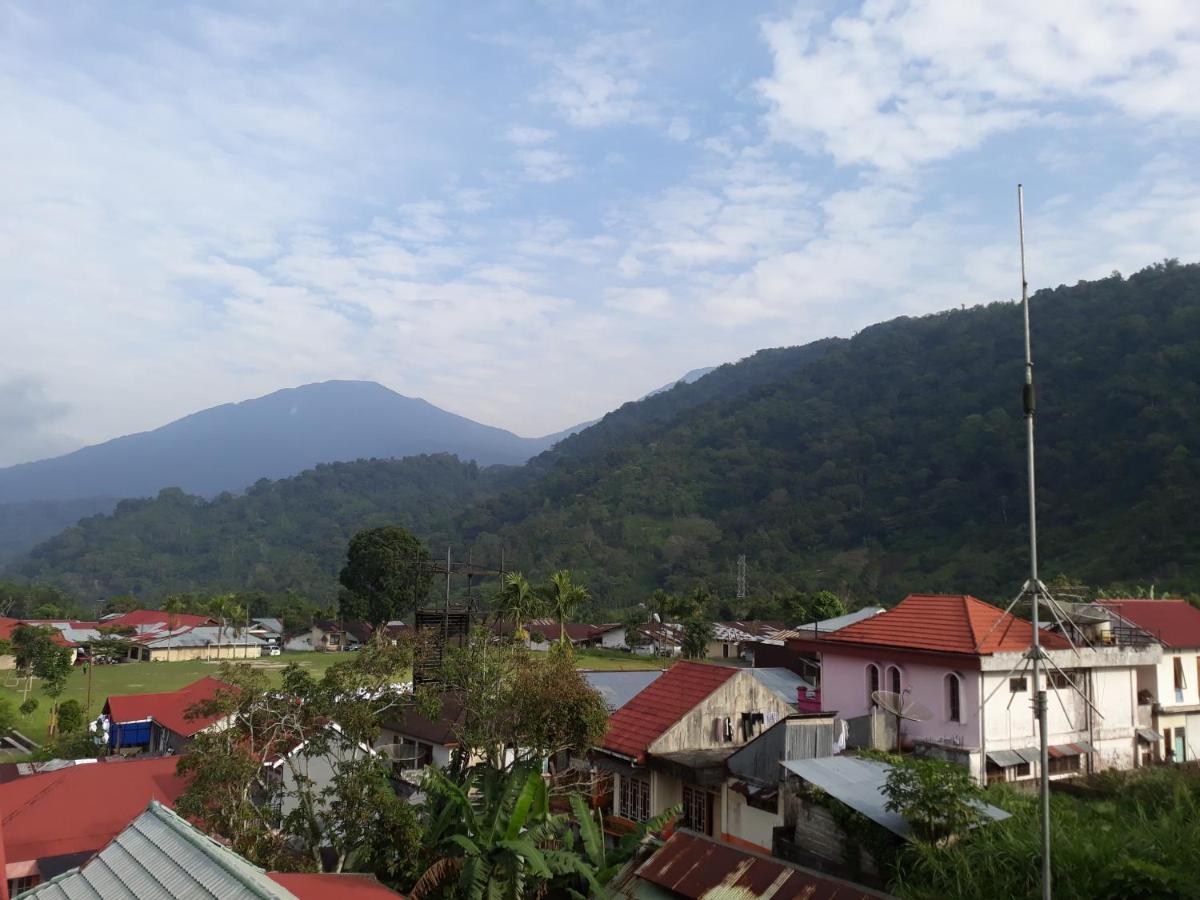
(599, 83)
(524, 136)
(545, 165)
(913, 81)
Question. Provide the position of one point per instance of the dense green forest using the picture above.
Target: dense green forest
(887, 463)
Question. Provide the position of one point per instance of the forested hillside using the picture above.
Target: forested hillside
(878, 465)
(279, 535)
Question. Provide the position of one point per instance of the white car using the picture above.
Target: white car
(271, 651)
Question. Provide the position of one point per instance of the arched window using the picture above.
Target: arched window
(954, 697)
(872, 683)
(894, 679)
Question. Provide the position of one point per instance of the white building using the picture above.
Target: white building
(962, 661)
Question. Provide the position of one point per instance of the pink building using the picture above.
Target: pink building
(949, 653)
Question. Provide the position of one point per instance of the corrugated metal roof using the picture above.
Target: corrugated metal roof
(859, 784)
(159, 856)
(699, 868)
(782, 682)
(618, 688)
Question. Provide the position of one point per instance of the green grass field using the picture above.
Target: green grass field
(154, 677)
(136, 678)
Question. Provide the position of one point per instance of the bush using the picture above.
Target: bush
(28, 706)
(70, 716)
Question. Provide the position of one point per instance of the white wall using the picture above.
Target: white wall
(747, 824)
(614, 639)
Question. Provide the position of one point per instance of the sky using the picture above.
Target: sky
(530, 212)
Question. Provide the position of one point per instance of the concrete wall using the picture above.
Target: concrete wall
(177, 654)
(748, 826)
(614, 639)
(845, 688)
(697, 730)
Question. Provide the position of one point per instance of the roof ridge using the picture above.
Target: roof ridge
(214, 850)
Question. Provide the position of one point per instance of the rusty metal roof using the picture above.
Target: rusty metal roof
(700, 868)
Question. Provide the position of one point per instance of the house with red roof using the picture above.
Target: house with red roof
(53, 821)
(960, 663)
(159, 722)
(1170, 691)
(668, 745)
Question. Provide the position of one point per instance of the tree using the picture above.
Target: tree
(70, 716)
(511, 698)
(387, 572)
(174, 607)
(40, 654)
(563, 596)
(516, 602)
(603, 862)
(697, 633)
(938, 799)
(493, 836)
(223, 608)
(283, 816)
(110, 647)
(122, 603)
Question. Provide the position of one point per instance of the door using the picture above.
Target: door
(1180, 745)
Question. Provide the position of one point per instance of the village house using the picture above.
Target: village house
(1169, 692)
(53, 821)
(734, 640)
(9, 625)
(544, 632)
(772, 650)
(414, 741)
(668, 745)
(691, 866)
(813, 834)
(618, 687)
(158, 855)
(328, 635)
(657, 639)
(158, 723)
(963, 660)
(751, 794)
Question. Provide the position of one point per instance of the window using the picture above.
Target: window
(1018, 685)
(635, 799)
(697, 809)
(416, 755)
(1063, 765)
(1062, 680)
(894, 679)
(953, 698)
(872, 682)
(1180, 680)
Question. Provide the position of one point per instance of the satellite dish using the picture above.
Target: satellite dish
(901, 706)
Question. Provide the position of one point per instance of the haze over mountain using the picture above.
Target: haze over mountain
(887, 463)
(228, 447)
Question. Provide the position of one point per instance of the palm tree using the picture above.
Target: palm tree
(563, 596)
(221, 608)
(173, 607)
(516, 601)
(603, 862)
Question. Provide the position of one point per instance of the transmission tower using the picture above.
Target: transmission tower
(741, 577)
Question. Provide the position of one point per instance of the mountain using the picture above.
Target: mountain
(690, 378)
(228, 447)
(887, 463)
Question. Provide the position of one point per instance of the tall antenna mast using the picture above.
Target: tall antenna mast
(741, 577)
(1035, 654)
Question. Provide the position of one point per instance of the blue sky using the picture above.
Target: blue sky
(529, 212)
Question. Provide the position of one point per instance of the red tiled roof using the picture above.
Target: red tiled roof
(641, 721)
(81, 808)
(550, 629)
(694, 867)
(155, 617)
(312, 886)
(1174, 622)
(8, 626)
(945, 623)
(168, 709)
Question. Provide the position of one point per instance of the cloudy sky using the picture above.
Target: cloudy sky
(528, 212)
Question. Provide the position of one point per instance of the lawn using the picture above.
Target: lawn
(618, 659)
(137, 678)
